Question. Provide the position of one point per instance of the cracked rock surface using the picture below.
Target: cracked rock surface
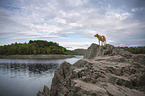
(104, 71)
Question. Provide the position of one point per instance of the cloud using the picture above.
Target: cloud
(60, 20)
(75, 45)
(120, 21)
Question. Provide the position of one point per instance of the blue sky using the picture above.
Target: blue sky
(73, 23)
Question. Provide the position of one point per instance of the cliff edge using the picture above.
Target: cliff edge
(104, 71)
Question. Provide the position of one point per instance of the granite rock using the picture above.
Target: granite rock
(104, 71)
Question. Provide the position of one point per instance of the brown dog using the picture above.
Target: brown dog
(101, 38)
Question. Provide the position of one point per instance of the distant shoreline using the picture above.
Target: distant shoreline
(55, 56)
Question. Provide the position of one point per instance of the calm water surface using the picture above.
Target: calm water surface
(25, 77)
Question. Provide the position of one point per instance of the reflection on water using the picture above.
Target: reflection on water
(30, 69)
(25, 77)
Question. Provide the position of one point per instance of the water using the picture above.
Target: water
(25, 77)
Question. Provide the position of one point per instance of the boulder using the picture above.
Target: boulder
(95, 50)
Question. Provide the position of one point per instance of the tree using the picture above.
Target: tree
(33, 47)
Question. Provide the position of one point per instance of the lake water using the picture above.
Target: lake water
(25, 77)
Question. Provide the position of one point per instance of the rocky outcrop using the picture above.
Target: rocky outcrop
(95, 50)
(45, 92)
(104, 71)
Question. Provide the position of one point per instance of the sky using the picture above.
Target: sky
(73, 23)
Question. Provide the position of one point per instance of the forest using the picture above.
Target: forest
(134, 50)
(44, 47)
(33, 47)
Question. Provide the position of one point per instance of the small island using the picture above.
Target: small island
(35, 49)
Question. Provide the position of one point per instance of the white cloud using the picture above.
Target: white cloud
(60, 20)
(75, 25)
(56, 19)
(77, 2)
(75, 45)
(69, 15)
(120, 16)
(43, 28)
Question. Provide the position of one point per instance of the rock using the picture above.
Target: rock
(40, 93)
(61, 80)
(95, 50)
(104, 71)
(45, 92)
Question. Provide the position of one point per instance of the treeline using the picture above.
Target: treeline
(134, 50)
(78, 52)
(33, 47)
